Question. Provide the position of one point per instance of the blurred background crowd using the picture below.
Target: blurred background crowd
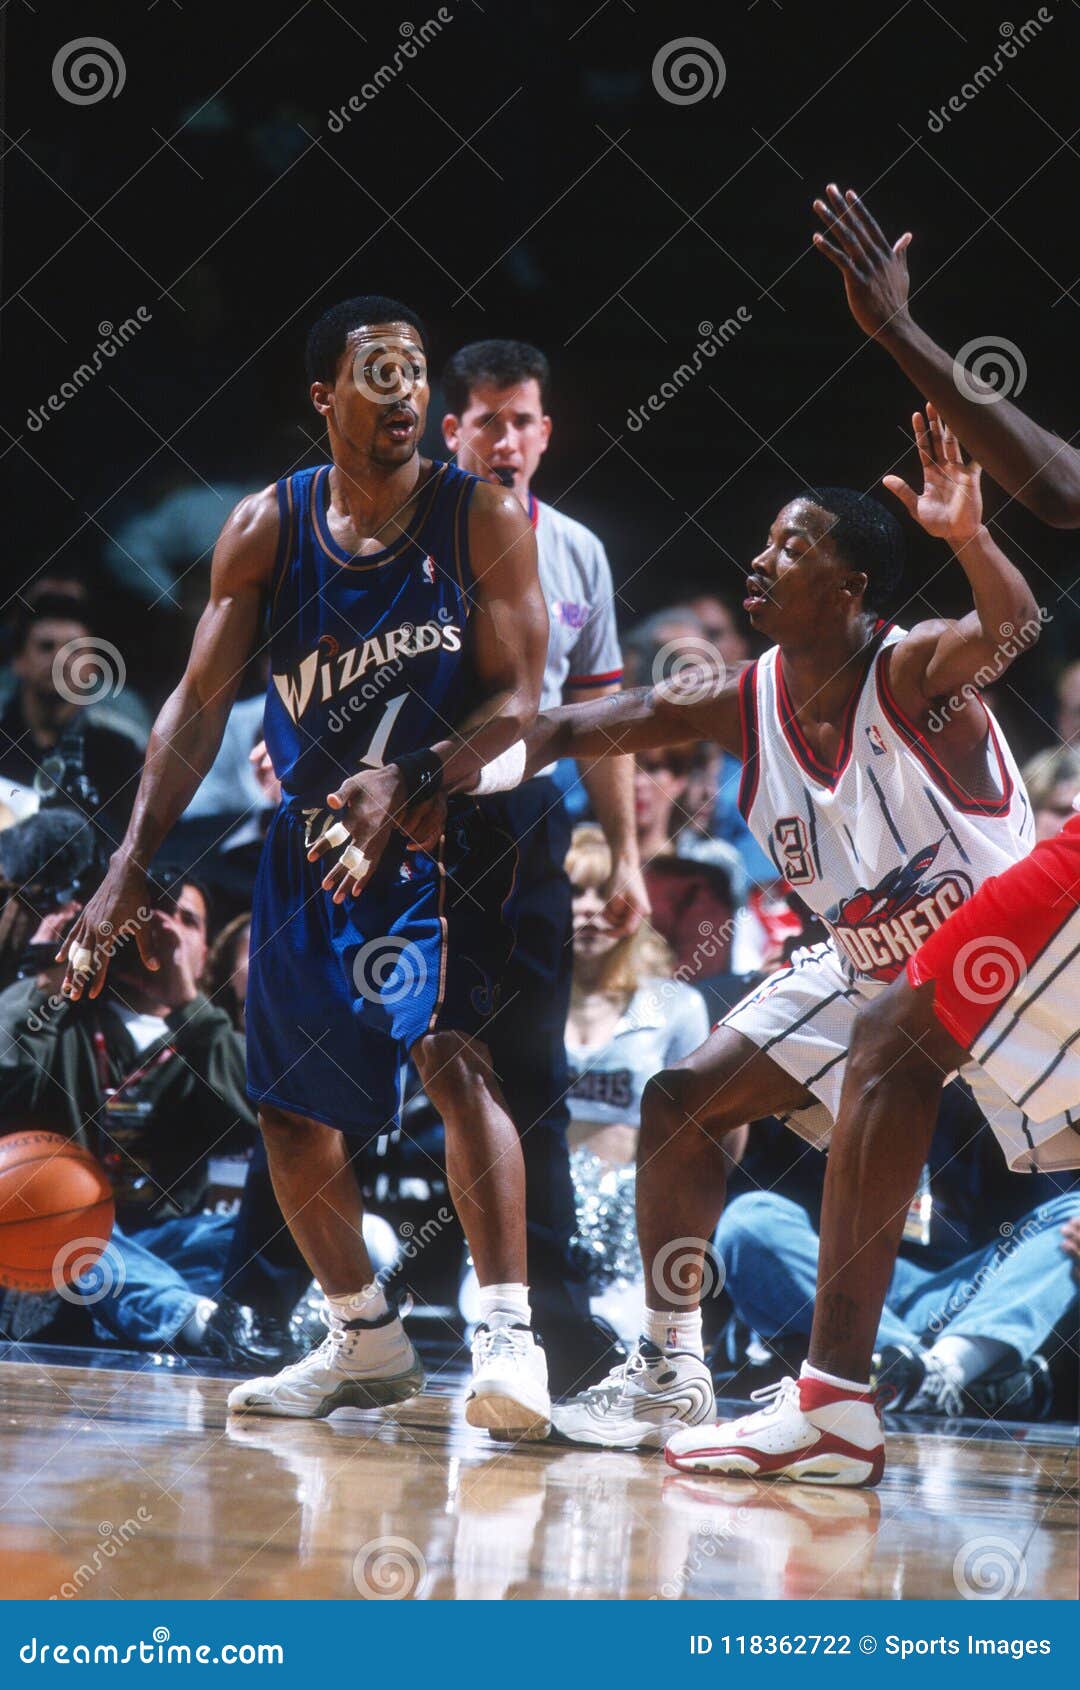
(151, 1076)
(531, 181)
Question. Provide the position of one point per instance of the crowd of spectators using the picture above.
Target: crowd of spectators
(982, 1312)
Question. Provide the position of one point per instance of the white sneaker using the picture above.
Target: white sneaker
(359, 1364)
(807, 1431)
(509, 1394)
(641, 1403)
(941, 1392)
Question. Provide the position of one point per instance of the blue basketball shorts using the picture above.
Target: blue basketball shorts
(339, 993)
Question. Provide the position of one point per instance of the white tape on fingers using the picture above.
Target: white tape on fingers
(82, 960)
(354, 860)
(336, 834)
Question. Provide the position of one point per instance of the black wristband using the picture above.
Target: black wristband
(422, 773)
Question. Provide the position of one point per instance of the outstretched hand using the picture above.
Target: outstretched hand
(950, 504)
(367, 806)
(875, 272)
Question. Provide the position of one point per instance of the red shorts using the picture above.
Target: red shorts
(1006, 967)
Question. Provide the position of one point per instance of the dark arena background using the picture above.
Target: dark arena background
(522, 177)
(175, 217)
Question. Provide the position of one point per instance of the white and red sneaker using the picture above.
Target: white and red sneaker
(808, 1431)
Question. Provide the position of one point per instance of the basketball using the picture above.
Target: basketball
(56, 1211)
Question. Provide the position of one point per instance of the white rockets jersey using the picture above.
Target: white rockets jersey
(887, 844)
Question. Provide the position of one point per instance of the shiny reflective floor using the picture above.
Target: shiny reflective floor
(136, 1484)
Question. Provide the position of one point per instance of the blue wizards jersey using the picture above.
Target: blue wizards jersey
(369, 656)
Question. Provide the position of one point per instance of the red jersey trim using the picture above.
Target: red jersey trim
(800, 746)
(595, 680)
(917, 742)
(751, 754)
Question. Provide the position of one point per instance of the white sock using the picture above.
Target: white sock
(670, 1331)
(194, 1328)
(969, 1358)
(366, 1304)
(376, 1349)
(505, 1303)
(833, 1379)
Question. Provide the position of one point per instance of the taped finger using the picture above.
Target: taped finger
(354, 860)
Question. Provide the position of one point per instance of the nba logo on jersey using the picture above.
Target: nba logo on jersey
(427, 569)
(877, 744)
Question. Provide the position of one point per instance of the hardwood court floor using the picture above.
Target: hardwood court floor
(136, 1484)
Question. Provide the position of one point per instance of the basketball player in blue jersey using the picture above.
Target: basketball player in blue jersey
(498, 427)
(407, 636)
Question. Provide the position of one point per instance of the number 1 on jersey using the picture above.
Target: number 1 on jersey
(376, 751)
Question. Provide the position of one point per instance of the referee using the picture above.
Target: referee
(497, 425)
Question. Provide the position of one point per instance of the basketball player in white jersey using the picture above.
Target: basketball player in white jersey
(884, 826)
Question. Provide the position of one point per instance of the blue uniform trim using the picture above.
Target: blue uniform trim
(320, 497)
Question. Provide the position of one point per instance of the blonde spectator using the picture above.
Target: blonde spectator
(628, 1019)
(1052, 779)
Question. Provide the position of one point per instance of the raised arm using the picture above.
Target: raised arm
(942, 657)
(183, 744)
(1035, 466)
(509, 632)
